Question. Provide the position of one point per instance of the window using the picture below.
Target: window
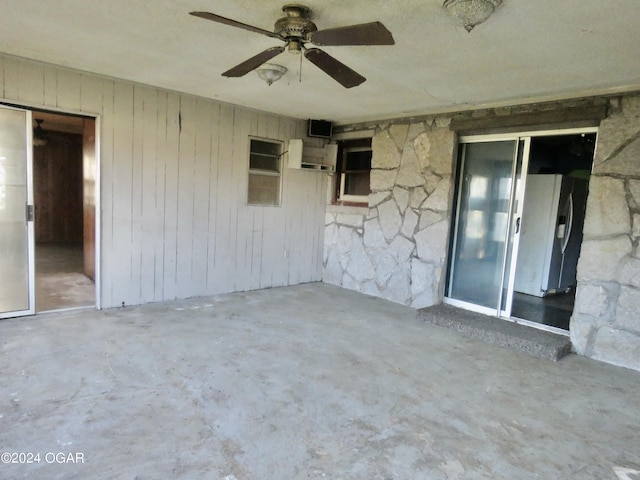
(354, 172)
(265, 168)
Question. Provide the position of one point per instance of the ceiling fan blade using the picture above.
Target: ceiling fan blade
(227, 21)
(337, 70)
(374, 33)
(254, 62)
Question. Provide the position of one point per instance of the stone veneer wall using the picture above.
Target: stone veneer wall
(395, 248)
(606, 318)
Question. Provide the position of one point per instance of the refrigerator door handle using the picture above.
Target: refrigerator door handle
(567, 234)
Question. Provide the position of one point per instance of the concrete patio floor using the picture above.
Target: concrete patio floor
(302, 382)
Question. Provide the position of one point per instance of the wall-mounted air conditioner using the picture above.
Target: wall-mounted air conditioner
(321, 159)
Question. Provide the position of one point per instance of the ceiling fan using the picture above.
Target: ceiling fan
(296, 29)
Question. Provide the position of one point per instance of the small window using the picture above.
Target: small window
(265, 168)
(354, 172)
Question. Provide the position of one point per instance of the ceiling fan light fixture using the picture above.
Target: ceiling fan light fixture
(471, 12)
(39, 135)
(270, 72)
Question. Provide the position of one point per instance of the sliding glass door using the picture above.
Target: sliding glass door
(16, 214)
(487, 220)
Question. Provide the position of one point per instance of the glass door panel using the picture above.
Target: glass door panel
(16, 232)
(482, 223)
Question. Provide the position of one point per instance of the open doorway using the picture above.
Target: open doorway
(551, 232)
(63, 175)
(518, 219)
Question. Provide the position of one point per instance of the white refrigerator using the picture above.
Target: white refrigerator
(551, 234)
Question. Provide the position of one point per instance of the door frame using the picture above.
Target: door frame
(515, 214)
(29, 108)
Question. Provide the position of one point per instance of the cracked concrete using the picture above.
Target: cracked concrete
(311, 381)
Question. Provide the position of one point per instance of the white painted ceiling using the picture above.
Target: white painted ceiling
(529, 50)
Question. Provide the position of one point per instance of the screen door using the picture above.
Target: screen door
(16, 214)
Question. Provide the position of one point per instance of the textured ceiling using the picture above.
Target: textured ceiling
(527, 51)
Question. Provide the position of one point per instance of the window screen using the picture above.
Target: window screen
(265, 169)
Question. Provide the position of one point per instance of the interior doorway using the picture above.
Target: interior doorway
(63, 182)
(551, 232)
(517, 230)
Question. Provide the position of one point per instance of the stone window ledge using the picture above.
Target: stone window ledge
(348, 209)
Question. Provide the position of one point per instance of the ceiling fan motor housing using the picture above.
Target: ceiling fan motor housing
(296, 26)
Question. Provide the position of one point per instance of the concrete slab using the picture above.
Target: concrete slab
(302, 382)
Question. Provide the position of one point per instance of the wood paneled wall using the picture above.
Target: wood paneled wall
(57, 189)
(89, 164)
(173, 176)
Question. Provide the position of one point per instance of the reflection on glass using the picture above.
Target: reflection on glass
(3, 188)
(482, 223)
(14, 261)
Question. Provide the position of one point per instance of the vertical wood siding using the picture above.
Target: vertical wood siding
(174, 217)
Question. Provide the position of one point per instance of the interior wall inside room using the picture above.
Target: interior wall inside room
(58, 189)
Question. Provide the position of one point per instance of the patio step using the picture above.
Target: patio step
(496, 331)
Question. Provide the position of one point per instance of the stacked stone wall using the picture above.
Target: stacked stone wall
(606, 320)
(396, 248)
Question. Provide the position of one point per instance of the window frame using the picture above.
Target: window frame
(265, 172)
(346, 147)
